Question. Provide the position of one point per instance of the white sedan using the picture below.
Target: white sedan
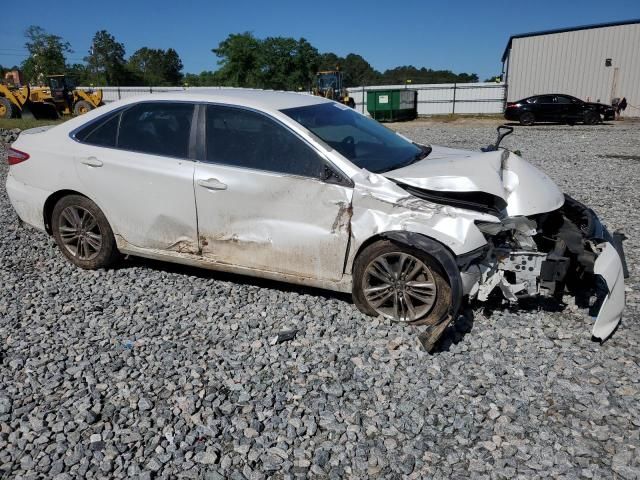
(305, 190)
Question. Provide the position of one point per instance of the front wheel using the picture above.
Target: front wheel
(6, 108)
(591, 118)
(81, 107)
(400, 283)
(82, 233)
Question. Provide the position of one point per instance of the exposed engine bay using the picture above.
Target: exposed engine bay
(544, 255)
(537, 240)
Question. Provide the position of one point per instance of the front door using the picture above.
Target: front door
(262, 202)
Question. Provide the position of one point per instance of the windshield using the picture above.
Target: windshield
(360, 139)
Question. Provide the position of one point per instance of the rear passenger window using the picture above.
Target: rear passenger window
(243, 138)
(102, 133)
(157, 128)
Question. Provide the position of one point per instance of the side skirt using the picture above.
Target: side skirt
(344, 285)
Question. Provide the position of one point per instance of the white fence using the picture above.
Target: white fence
(446, 98)
(433, 99)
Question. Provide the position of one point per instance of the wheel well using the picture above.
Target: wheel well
(440, 252)
(392, 236)
(50, 203)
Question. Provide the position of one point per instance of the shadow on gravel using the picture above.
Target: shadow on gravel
(236, 278)
(456, 331)
(541, 125)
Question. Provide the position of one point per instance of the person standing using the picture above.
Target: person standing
(621, 107)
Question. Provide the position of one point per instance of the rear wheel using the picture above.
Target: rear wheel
(82, 233)
(6, 108)
(591, 118)
(527, 118)
(81, 107)
(401, 283)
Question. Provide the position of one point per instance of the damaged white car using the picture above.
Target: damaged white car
(304, 190)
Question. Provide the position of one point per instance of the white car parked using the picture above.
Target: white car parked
(304, 190)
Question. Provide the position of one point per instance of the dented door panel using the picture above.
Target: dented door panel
(148, 199)
(273, 222)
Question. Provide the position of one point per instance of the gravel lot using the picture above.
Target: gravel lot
(154, 370)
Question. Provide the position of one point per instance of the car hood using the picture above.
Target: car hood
(525, 189)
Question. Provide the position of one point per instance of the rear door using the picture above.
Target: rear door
(136, 165)
(545, 108)
(566, 107)
(265, 200)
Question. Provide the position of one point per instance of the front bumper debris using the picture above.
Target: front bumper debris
(609, 267)
(566, 250)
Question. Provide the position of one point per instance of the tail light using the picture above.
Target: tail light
(16, 156)
(512, 105)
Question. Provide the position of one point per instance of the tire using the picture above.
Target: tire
(425, 313)
(6, 108)
(527, 118)
(95, 247)
(591, 118)
(81, 107)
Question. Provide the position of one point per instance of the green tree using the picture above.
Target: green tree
(105, 62)
(172, 67)
(152, 66)
(203, 79)
(282, 63)
(400, 75)
(239, 60)
(286, 64)
(46, 54)
(79, 73)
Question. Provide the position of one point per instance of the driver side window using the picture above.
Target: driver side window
(243, 138)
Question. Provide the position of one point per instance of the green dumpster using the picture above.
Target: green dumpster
(392, 105)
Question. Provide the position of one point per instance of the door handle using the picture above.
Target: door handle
(212, 184)
(92, 162)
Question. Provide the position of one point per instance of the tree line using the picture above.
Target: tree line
(280, 63)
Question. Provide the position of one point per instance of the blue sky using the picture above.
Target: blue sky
(463, 36)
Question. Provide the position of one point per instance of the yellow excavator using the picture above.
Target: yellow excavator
(59, 97)
(329, 84)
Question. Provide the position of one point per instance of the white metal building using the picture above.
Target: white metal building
(592, 62)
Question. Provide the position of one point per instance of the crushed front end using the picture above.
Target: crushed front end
(566, 250)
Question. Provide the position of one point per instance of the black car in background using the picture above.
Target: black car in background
(557, 108)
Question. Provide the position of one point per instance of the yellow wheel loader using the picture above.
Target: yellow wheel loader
(13, 100)
(59, 97)
(62, 97)
(329, 84)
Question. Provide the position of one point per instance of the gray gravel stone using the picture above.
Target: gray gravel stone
(152, 370)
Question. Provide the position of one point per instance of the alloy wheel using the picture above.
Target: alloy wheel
(80, 233)
(399, 286)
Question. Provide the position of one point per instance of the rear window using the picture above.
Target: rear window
(157, 128)
(102, 134)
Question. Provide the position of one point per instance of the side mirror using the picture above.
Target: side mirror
(503, 131)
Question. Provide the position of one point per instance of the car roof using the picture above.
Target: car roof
(270, 101)
(261, 99)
